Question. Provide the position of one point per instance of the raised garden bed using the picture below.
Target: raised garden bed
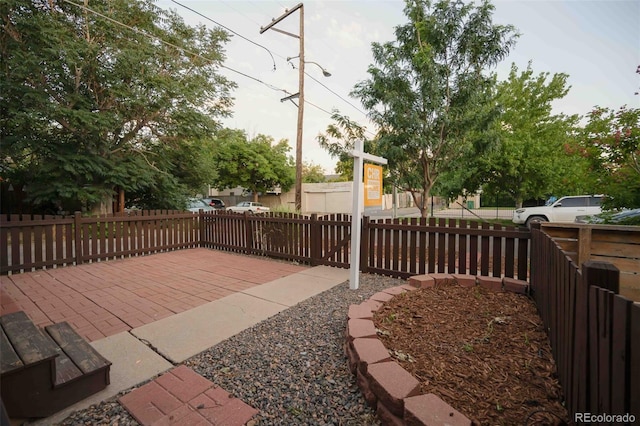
(456, 350)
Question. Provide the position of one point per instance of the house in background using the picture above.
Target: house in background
(325, 197)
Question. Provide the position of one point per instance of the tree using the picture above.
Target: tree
(312, 173)
(339, 140)
(258, 164)
(529, 159)
(178, 172)
(427, 91)
(611, 142)
(89, 106)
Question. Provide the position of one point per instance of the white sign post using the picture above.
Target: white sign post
(359, 156)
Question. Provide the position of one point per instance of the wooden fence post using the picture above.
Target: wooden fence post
(525, 251)
(314, 239)
(77, 237)
(364, 245)
(596, 275)
(602, 274)
(248, 248)
(580, 388)
(201, 231)
(584, 244)
(634, 360)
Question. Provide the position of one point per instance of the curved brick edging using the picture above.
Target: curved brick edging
(388, 388)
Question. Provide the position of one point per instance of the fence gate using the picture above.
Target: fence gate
(331, 240)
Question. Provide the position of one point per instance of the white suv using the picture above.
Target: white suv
(564, 210)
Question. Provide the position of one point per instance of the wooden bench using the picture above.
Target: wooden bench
(42, 372)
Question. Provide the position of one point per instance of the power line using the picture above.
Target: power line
(331, 115)
(226, 3)
(343, 99)
(228, 29)
(270, 52)
(316, 106)
(88, 9)
(137, 31)
(245, 38)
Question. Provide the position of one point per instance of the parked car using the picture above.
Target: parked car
(197, 204)
(216, 203)
(624, 217)
(249, 206)
(566, 209)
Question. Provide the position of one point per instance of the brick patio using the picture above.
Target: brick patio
(182, 397)
(105, 298)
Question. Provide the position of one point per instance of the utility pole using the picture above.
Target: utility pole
(300, 94)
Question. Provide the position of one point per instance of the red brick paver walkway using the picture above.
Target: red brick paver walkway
(105, 298)
(182, 397)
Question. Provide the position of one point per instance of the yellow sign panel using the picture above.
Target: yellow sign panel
(372, 185)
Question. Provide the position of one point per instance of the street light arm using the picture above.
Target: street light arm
(324, 71)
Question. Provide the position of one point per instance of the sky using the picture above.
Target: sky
(597, 43)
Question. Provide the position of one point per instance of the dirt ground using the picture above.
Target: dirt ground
(484, 353)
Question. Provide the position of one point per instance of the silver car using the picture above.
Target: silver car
(248, 206)
(624, 217)
(196, 204)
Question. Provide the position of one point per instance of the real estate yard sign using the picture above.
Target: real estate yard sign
(356, 224)
(372, 185)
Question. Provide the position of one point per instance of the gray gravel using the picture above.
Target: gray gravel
(291, 367)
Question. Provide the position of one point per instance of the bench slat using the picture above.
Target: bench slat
(9, 360)
(28, 341)
(66, 370)
(77, 349)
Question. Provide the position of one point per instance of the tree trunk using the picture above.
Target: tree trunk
(518, 202)
(103, 207)
(424, 208)
(120, 203)
(255, 196)
(420, 202)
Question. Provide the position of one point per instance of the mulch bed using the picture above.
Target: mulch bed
(484, 353)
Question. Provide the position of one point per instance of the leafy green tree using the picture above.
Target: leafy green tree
(258, 164)
(427, 91)
(179, 171)
(529, 159)
(611, 142)
(88, 106)
(339, 140)
(312, 173)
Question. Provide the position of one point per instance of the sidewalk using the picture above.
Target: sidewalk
(488, 213)
(140, 354)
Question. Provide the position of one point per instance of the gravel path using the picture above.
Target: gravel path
(291, 367)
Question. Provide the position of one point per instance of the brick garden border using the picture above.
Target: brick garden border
(388, 388)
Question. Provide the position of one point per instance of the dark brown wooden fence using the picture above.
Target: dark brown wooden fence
(403, 248)
(396, 247)
(594, 332)
(618, 245)
(399, 248)
(323, 240)
(35, 242)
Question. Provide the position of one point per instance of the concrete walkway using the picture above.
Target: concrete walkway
(183, 335)
(143, 352)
